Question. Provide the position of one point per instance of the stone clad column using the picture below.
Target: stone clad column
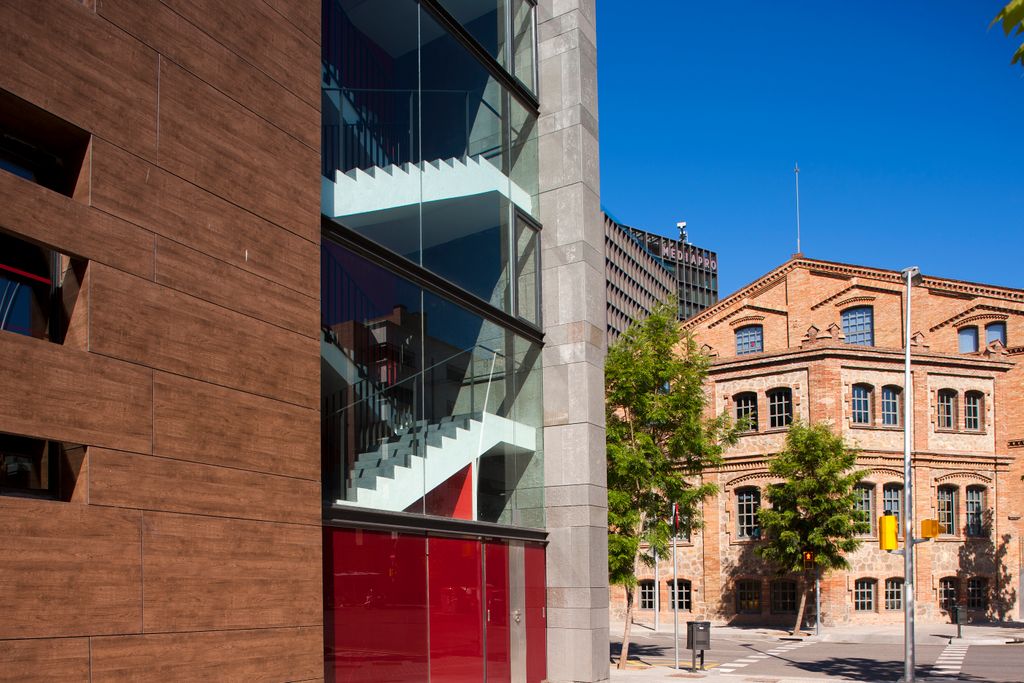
(574, 295)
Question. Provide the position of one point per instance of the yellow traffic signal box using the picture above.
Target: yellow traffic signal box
(887, 532)
(929, 528)
(808, 559)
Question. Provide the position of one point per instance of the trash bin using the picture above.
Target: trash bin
(698, 635)
(959, 614)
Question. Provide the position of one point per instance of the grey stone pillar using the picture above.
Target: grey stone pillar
(574, 295)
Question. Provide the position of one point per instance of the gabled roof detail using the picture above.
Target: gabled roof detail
(852, 288)
(746, 319)
(747, 307)
(975, 313)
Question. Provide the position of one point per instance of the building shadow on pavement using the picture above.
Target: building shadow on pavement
(875, 671)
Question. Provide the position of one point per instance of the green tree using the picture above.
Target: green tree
(1012, 18)
(815, 507)
(659, 441)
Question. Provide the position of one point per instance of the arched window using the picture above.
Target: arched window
(864, 595)
(647, 594)
(891, 405)
(783, 597)
(946, 417)
(947, 592)
(894, 593)
(780, 408)
(947, 504)
(749, 339)
(860, 404)
(684, 596)
(977, 592)
(974, 413)
(748, 596)
(748, 502)
(967, 339)
(892, 502)
(975, 522)
(746, 409)
(865, 502)
(859, 325)
(994, 332)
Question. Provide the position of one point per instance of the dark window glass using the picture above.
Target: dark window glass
(684, 596)
(892, 502)
(946, 418)
(861, 404)
(967, 338)
(746, 409)
(646, 594)
(523, 43)
(947, 504)
(891, 406)
(783, 597)
(859, 326)
(893, 594)
(780, 408)
(748, 502)
(484, 20)
(995, 332)
(39, 468)
(977, 593)
(975, 522)
(748, 597)
(865, 503)
(947, 593)
(973, 403)
(749, 339)
(527, 271)
(864, 595)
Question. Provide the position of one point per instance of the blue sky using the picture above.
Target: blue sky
(905, 116)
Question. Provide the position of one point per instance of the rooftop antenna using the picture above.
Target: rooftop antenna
(682, 230)
(796, 172)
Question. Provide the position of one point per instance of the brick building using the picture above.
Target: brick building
(291, 292)
(822, 341)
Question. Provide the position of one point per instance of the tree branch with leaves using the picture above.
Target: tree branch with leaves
(659, 442)
(814, 508)
(1012, 18)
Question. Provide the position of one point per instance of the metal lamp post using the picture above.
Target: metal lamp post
(911, 276)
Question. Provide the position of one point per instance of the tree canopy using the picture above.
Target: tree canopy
(659, 440)
(1012, 18)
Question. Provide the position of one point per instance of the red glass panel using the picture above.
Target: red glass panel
(536, 614)
(375, 607)
(454, 497)
(456, 611)
(499, 666)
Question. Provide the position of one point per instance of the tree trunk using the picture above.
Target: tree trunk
(624, 654)
(802, 589)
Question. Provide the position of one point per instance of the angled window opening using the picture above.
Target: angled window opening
(39, 468)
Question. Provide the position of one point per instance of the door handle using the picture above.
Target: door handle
(516, 615)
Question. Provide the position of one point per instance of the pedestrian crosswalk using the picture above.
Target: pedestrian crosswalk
(758, 656)
(951, 660)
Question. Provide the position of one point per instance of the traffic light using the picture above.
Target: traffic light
(887, 532)
(808, 559)
(929, 528)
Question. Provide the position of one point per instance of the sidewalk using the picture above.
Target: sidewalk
(925, 634)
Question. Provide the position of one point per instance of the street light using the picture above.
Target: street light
(911, 276)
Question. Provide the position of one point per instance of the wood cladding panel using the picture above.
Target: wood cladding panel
(182, 42)
(262, 37)
(50, 218)
(210, 424)
(286, 654)
(130, 480)
(202, 276)
(68, 570)
(69, 395)
(144, 323)
(127, 186)
(214, 142)
(208, 573)
(303, 14)
(62, 57)
(44, 659)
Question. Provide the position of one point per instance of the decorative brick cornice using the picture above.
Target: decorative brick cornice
(833, 269)
(746, 319)
(744, 308)
(975, 313)
(751, 476)
(1015, 443)
(852, 288)
(963, 476)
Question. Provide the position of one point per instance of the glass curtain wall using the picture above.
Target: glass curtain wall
(425, 151)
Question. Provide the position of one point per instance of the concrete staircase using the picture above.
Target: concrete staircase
(377, 189)
(403, 469)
